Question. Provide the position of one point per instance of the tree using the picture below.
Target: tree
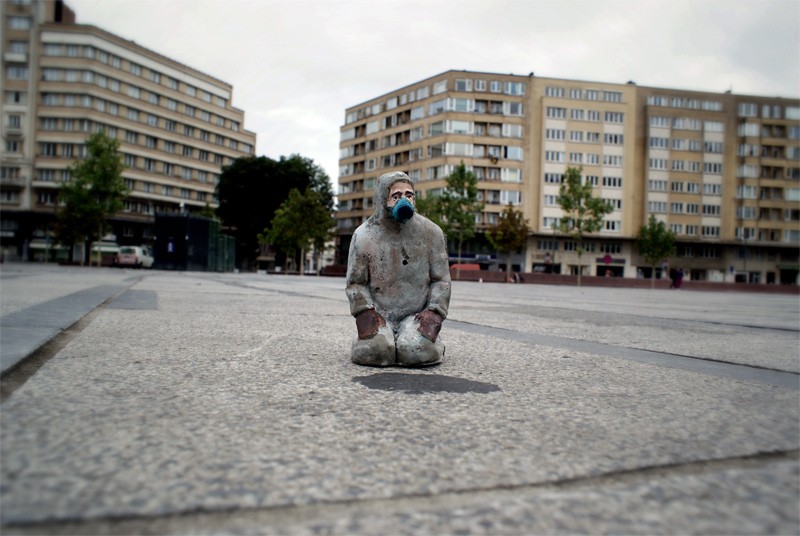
(251, 189)
(509, 234)
(454, 210)
(655, 243)
(95, 192)
(302, 220)
(583, 213)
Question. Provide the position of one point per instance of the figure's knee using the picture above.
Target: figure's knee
(377, 351)
(413, 349)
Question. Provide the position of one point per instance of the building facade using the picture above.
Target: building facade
(61, 82)
(721, 170)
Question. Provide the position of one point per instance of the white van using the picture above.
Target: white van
(135, 257)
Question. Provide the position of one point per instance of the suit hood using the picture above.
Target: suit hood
(385, 182)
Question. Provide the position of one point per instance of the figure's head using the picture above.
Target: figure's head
(395, 195)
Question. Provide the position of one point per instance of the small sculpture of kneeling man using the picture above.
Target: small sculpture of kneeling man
(398, 281)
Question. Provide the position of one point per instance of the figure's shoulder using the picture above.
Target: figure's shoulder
(428, 226)
(363, 231)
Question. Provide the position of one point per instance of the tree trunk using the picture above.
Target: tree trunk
(458, 266)
(580, 268)
(302, 261)
(653, 277)
(508, 268)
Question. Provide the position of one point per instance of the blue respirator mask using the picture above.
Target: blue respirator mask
(403, 210)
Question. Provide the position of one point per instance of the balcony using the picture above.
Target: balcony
(15, 57)
(12, 182)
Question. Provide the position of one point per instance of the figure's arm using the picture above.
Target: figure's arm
(439, 298)
(357, 289)
(368, 320)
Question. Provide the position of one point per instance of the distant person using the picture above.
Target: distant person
(679, 278)
(398, 281)
(673, 277)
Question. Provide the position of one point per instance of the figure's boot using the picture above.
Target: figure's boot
(414, 350)
(377, 351)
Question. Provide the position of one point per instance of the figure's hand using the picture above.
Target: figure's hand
(368, 322)
(430, 323)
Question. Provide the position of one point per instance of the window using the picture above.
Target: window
(19, 23)
(555, 134)
(17, 72)
(612, 182)
(711, 210)
(514, 198)
(612, 139)
(712, 168)
(463, 84)
(513, 152)
(658, 121)
(135, 69)
(576, 115)
(614, 117)
(48, 149)
(437, 107)
(657, 186)
(556, 113)
(514, 88)
(551, 91)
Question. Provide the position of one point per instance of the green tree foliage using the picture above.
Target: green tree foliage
(655, 242)
(583, 213)
(95, 192)
(509, 234)
(454, 210)
(302, 220)
(251, 189)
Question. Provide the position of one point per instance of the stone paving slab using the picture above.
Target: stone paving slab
(211, 404)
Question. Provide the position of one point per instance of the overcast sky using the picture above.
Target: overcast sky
(295, 65)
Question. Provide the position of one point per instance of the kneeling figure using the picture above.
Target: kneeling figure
(398, 281)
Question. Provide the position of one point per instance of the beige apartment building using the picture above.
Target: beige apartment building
(61, 82)
(721, 170)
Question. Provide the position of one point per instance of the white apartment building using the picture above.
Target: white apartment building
(721, 170)
(62, 81)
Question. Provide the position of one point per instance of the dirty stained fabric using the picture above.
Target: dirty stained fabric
(398, 269)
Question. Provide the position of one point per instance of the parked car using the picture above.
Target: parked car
(135, 257)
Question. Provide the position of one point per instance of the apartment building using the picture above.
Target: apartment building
(61, 82)
(721, 170)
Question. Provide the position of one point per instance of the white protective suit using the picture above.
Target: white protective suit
(398, 270)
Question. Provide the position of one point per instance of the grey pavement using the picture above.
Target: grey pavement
(192, 403)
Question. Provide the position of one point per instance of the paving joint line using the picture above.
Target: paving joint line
(202, 516)
(16, 376)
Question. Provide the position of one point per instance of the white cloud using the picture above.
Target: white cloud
(297, 64)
